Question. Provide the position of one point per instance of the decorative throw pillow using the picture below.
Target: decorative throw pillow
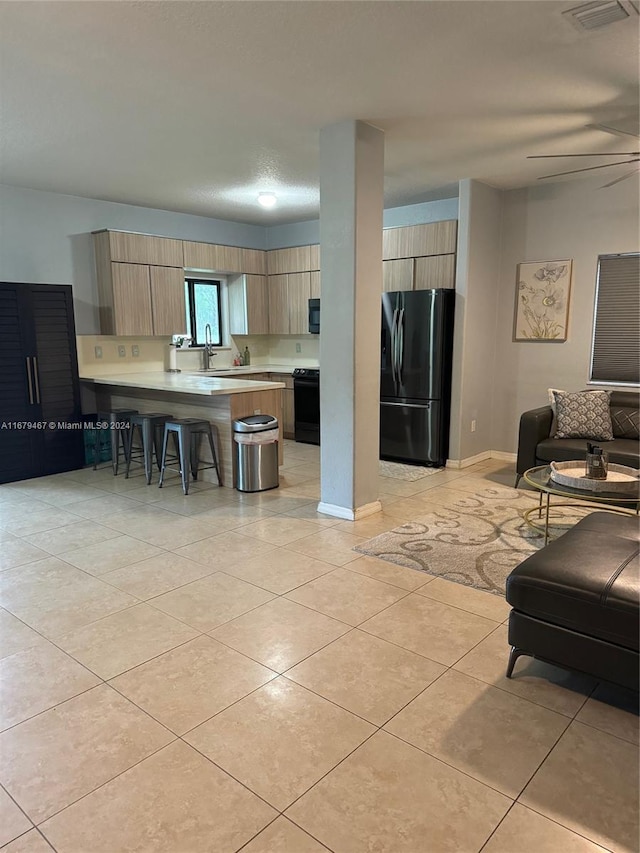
(552, 402)
(626, 423)
(585, 414)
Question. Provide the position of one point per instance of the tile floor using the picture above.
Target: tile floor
(221, 672)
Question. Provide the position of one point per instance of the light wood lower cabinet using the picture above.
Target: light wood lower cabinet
(249, 306)
(288, 408)
(435, 271)
(168, 300)
(397, 275)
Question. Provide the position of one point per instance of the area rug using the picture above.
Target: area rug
(400, 471)
(475, 540)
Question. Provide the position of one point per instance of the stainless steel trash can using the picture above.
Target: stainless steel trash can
(256, 453)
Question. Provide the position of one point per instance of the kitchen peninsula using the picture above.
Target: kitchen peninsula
(213, 398)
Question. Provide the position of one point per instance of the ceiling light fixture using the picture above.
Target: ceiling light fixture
(267, 199)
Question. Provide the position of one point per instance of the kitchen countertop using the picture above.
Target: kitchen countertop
(186, 383)
(286, 369)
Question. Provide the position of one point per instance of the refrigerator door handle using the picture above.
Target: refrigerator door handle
(30, 381)
(400, 344)
(407, 405)
(394, 345)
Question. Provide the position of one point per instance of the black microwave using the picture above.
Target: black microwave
(314, 316)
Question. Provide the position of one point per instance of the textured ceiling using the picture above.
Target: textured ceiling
(197, 106)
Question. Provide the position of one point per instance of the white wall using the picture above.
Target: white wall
(45, 238)
(576, 219)
(477, 286)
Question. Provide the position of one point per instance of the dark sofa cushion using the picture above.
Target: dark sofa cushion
(625, 422)
(622, 451)
(587, 580)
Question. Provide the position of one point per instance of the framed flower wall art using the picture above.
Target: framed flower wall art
(543, 289)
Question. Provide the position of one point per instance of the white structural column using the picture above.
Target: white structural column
(351, 204)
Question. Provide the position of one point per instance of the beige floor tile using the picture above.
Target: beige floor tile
(209, 602)
(347, 596)
(282, 836)
(279, 571)
(173, 802)
(111, 555)
(53, 759)
(58, 491)
(17, 552)
(329, 545)
(12, 821)
(491, 735)
(476, 601)
(278, 502)
(157, 575)
(123, 640)
(390, 797)
(54, 597)
(366, 675)
(310, 513)
(551, 686)
(14, 506)
(280, 740)
(99, 508)
(30, 842)
(614, 710)
(280, 530)
(224, 550)
(15, 636)
(193, 504)
(381, 570)
(37, 679)
(38, 520)
(186, 686)
(308, 491)
(589, 784)
(232, 514)
(371, 526)
(525, 831)
(280, 634)
(77, 535)
(430, 628)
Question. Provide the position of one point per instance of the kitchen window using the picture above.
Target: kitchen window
(615, 353)
(202, 299)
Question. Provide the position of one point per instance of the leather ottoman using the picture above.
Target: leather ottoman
(576, 602)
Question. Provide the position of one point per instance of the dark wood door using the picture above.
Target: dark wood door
(38, 382)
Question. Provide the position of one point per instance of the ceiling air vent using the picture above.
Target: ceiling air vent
(601, 13)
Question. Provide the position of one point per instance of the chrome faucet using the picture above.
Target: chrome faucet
(208, 352)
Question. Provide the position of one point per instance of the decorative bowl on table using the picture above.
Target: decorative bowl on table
(620, 478)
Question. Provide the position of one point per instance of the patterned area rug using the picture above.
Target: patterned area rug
(400, 471)
(476, 540)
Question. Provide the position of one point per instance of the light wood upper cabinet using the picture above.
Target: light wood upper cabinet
(434, 271)
(253, 261)
(131, 295)
(433, 238)
(297, 259)
(299, 293)
(278, 305)
(397, 275)
(249, 305)
(210, 257)
(315, 284)
(168, 300)
(144, 249)
(202, 256)
(314, 257)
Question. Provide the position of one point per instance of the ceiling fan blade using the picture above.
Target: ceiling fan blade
(600, 154)
(622, 178)
(589, 169)
(613, 130)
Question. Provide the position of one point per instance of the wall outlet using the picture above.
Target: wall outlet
(122, 351)
(135, 350)
(98, 352)
(298, 348)
(473, 425)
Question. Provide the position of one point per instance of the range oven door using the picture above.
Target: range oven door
(306, 398)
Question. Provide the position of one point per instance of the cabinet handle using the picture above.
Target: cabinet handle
(35, 379)
(28, 360)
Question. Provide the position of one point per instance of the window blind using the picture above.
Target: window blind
(615, 355)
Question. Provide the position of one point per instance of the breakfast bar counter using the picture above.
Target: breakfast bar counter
(219, 400)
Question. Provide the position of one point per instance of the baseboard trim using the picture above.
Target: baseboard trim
(501, 455)
(350, 514)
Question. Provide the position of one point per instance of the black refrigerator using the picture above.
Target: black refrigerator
(415, 379)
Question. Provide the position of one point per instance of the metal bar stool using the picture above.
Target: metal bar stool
(188, 431)
(121, 433)
(149, 427)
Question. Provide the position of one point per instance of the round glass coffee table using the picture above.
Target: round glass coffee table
(540, 479)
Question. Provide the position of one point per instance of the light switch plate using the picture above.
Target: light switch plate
(98, 352)
(122, 351)
(135, 350)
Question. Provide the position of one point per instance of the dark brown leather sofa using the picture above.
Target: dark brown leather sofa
(535, 447)
(576, 602)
